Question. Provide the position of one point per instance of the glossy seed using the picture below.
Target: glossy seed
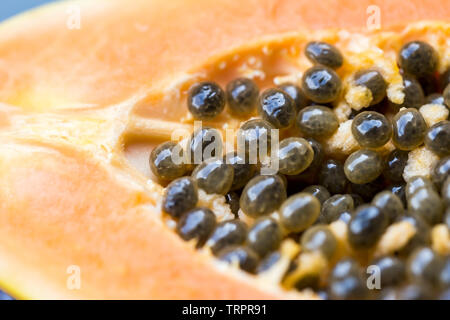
(420, 238)
(447, 217)
(427, 204)
(196, 224)
(371, 129)
(424, 265)
(445, 192)
(264, 236)
(446, 95)
(284, 179)
(206, 100)
(317, 121)
(167, 162)
(332, 176)
(319, 238)
(227, 233)
(205, 143)
(444, 274)
(319, 155)
(395, 165)
(440, 172)
(297, 94)
(181, 195)
(299, 212)
(418, 58)
(399, 190)
(345, 217)
(242, 96)
(367, 190)
(437, 138)
(389, 293)
(349, 288)
(334, 207)
(323, 294)
(277, 107)
(324, 53)
(310, 174)
(392, 270)
(390, 204)
(245, 258)
(435, 98)
(363, 166)
(366, 226)
(320, 192)
(243, 170)
(321, 84)
(374, 81)
(414, 291)
(345, 268)
(416, 183)
(269, 261)
(262, 195)
(409, 129)
(414, 95)
(254, 135)
(294, 155)
(232, 199)
(214, 176)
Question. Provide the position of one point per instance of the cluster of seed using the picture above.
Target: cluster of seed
(312, 190)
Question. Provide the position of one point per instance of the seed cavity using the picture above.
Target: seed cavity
(342, 211)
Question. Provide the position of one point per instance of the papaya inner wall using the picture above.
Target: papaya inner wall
(121, 49)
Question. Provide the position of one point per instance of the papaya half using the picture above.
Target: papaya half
(88, 88)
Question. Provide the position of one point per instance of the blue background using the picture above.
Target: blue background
(9, 8)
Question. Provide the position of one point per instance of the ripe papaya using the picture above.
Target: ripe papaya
(88, 87)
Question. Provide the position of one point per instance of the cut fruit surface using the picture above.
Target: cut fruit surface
(81, 109)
